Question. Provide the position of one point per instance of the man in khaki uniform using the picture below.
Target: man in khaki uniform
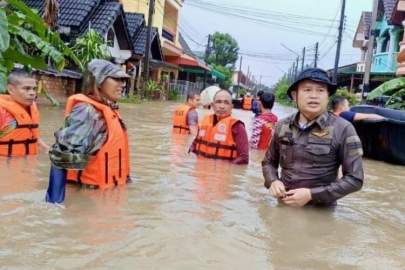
(310, 146)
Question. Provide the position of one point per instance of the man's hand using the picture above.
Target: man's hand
(277, 189)
(298, 197)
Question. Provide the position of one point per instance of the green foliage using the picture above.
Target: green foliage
(134, 99)
(91, 46)
(174, 94)
(151, 87)
(165, 78)
(242, 91)
(280, 89)
(224, 84)
(393, 103)
(225, 50)
(395, 88)
(24, 29)
(346, 94)
(387, 88)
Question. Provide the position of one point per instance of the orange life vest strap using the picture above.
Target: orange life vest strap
(28, 126)
(181, 128)
(10, 144)
(217, 146)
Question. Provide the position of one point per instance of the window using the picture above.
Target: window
(110, 37)
(167, 35)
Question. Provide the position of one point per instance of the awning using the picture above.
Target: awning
(213, 72)
(166, 66)
(186, 62)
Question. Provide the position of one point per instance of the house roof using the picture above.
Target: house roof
(366, 18)
(184, 45)
(389, 6)
(139, 39)
(75, 12)
(102, 18)
(72, 12)
(135, 20)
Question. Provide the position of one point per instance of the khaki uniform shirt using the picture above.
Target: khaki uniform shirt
(311, 157)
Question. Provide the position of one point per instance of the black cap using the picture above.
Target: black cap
(314, 74)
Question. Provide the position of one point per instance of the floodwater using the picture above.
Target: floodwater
(184, 213)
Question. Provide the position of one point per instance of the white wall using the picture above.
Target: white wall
(116, 52)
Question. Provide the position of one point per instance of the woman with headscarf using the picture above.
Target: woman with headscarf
(91, 148)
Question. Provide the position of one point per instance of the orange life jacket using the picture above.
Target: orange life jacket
(23, 140)
(247, 103)
(217, 141)
(180, 119)
(110, 166)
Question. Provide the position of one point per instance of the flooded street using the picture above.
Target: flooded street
(183, 213)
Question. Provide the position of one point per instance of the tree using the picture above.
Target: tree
(395, 88)
(227, 82)
(91, 46)
(225, 50)
(23, 28)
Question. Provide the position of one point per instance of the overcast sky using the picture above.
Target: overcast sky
(268, 23)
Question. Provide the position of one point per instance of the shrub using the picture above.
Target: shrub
(346, 94)
(174, 94)
(130, 99)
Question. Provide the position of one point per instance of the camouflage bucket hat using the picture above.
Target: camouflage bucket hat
(102, 69)
(314, 74)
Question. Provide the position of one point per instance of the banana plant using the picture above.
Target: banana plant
(395, 88)
(20, 28)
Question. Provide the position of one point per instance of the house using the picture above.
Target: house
(361, 39)
(76, 17)
(166, 20)
(385, 51)
(398, 18)
(138, 33)
(240, 80)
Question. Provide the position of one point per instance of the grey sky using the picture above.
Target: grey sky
(197, 23)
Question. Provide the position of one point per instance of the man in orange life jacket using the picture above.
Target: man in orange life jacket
(185, 117)
(247, 102)
(220, 135)
(19, 117)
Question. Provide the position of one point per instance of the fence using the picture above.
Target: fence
(186, 87)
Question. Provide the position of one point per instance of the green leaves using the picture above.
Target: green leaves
(11, 56)
(4, 35)
(387, 88)
(91, 46)
(45, 48)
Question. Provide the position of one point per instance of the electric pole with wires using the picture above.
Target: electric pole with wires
(339, 43)
(207, 55)
(148, 39)
(316, 55)
(369, 58)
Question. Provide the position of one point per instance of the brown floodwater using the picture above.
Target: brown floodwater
(187, 213)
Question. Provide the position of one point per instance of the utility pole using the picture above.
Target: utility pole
(293, 73)
(240, 71)
(148, 39)
(369, 59)
(339, 44)
(248, 79)
(316, 54)
(207, 54)
(296, 68)
(303, 59)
